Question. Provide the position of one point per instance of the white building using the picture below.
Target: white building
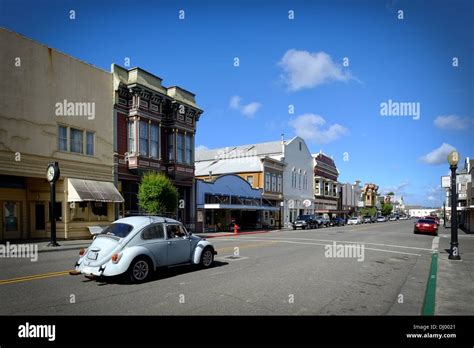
(420, 212)
(295, 161)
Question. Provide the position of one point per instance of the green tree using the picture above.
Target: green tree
(156, 194)
(386, 209)
(372, 211)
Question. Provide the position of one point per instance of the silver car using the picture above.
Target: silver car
(136, 246)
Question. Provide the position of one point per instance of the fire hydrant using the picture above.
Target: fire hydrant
(236, 228)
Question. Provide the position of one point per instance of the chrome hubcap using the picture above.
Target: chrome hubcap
(207, 258)
(140, 270)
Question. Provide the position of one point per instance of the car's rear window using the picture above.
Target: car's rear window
(425, 221)
(118, 229)
(303, 217)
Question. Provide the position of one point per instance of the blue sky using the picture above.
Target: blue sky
(295, 62)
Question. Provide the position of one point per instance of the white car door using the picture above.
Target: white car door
(154, 240)
(179, 244)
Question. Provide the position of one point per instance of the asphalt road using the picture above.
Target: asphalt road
(283, 272)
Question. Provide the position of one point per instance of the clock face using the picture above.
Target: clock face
(50, 173)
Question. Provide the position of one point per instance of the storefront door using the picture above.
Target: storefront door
(11, 220)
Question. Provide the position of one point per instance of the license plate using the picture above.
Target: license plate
(92, 255)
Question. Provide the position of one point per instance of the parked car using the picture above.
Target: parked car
(426, 226)
(392, 218)
(353, 221)
(434, 218)
(373, 219)
(381, 219)
(338, 221)
(304, 222)
(403, 217)
(136, 246)
(322, 221)
(366, 219)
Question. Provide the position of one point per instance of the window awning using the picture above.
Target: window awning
(80, 190)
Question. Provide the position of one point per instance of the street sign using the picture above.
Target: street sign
(445, 181)
(460, 179)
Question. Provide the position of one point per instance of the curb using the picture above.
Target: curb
(53, 249)
(430, 294)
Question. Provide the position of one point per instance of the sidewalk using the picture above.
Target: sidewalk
(455, 279)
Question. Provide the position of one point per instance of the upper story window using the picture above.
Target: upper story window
(299, 180)
(154, 141)
(76, 144)
(143, 131)
(250, 180)
(293, 178)
(267, 181)
(90, 143)
(76, 141)
(131, 137)
(189, 149)
(280, 183)
(180, 148)
(62, 138)
(326, 189)
(274, 182)
(317, 189)
(171, 147)
(301, 146)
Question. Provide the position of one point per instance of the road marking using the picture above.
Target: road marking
(61, 273)
(430, 294)
(34, 277)
(435, 244)
(341, 241)
(321, 244)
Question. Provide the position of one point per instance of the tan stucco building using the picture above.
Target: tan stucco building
(53, 108)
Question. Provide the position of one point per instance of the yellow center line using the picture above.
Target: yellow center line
(61, 273)
(34, 277)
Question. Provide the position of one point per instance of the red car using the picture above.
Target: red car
(426, 226)
(435, 218)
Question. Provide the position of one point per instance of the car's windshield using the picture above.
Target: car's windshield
(118, 229)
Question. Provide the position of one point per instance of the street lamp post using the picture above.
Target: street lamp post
(453, 159)
(444, 214)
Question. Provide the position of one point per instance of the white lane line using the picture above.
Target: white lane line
(321, 244)
(339, 241)
(435, 244)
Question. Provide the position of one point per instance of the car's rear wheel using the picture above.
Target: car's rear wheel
(139, 270)
(207, 257)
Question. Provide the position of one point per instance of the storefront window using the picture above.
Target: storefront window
(90, 143)
(11, 216)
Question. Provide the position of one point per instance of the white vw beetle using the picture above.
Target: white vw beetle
(136, 246)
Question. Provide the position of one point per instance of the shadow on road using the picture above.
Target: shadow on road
(162, 273)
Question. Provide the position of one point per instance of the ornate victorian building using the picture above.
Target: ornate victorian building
(155, 129)
(369, 193)
(326, 187)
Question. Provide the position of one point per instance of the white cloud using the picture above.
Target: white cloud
(303, 69)
(439, 155)
(201, 148)
(248, 110)
(453, 122)
(310, 127)
(397, 189)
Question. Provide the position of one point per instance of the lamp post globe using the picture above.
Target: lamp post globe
(453, 158)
